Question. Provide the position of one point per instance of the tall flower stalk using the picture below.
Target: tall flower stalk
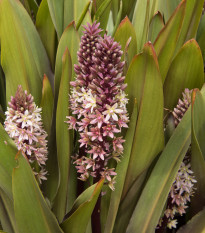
(183, 186)
(23, 124)
(98, 104)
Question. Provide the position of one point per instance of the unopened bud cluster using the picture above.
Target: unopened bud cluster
(23, 124)
(98, 103)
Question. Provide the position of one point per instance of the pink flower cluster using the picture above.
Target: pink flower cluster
(98, 103)
(23, 124)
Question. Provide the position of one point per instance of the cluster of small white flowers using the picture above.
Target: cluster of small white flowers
(83, 99)
(181, 191)
(23, 124)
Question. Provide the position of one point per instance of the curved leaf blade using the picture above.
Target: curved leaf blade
(24, 60)
(121, 171)
(8, 151)
(47, 104)
(195, 225)
(46, 30)
(145, 84)
(125, 31)
(31, 210)
(154, 195)
(198, 151)
(156, 24)
(63, 137)
(166, 42)
(186, 71)
(82, 209)
(191, 21)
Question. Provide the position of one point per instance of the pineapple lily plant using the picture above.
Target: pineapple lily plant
(102, 111)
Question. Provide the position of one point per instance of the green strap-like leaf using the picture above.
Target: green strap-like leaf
(121, 173)
(201, 36)
(46, 31)
(195, 225)
(124, 32)
(186, 71)
(166, 42)
(57, 14)
(191, 21)
(8, 151)
(154, 195)
(31, 6)
(83, 207)
(24, 59)
(157, 23)
(47, 104)
(127, 7)
(76, 11)
(145, 84)
(70, 39)
(7, 216)
(141, 22)
(167, 7)
(31, 210)
(63, 137)
(198, 151)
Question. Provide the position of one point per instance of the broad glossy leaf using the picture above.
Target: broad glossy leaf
(7, 216)
(63, 137)
(24, 59)
(71, 40)
(186, 71)
(156, 24)
(82, 209)
(125, 31)
(195, 225)
(8, 151)
(150, 205)
(121, 171)
(198, 150)
(141, 22)
(46, 30)
(57, 14)
(166, 42)
(145, 84)
(47, 104)
(31, 210)
(191, 20)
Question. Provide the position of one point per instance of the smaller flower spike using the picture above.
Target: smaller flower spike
(183, 186)
(98, 104)
(23, 124)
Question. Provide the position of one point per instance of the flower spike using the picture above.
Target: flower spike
(23, 124)
(98, 104)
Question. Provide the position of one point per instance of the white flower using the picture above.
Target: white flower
(122, 99)
(111, 112)
(172, 224)
(90, 102)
